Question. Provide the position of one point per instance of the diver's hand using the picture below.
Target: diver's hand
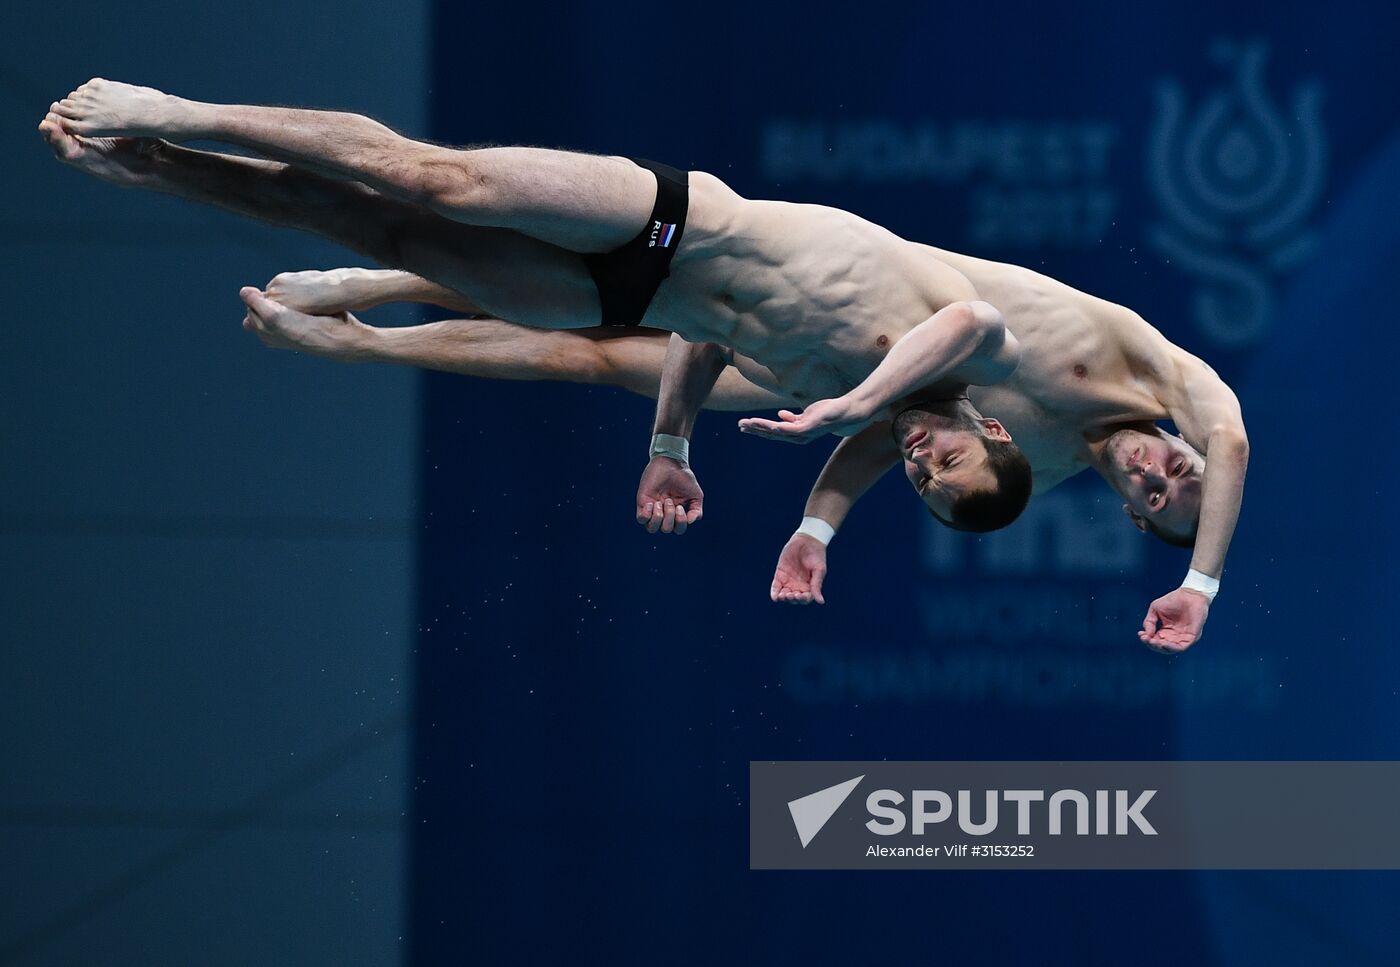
(669, 498)
(839, 416)
(801, 569)
(1174, 621)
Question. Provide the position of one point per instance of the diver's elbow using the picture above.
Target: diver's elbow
(985, 320)
(996, 345)
(1231, 442)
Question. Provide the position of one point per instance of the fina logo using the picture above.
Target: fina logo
(1236, 184)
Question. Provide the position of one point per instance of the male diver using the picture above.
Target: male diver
(809, 302)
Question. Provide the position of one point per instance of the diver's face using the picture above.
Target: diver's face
(945, 457)
(1159, 476)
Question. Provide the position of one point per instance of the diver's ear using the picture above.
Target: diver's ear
(1139, 521)
(995, 430)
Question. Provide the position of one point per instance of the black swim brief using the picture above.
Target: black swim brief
(628, 277)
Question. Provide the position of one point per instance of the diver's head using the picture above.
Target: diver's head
(965, 467)
(1159, 476)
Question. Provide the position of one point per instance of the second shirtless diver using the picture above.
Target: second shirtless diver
(810, 302)
(313, 315)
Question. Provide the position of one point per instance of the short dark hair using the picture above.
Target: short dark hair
(989, 510)
(1187, 541)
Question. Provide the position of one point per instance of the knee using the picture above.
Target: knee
(578, 359)
(403, 236)
(449, 181)
(632, 362)
(384, 239)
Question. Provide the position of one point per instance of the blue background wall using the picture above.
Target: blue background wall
(206, 548)
(207, 611)
(590, 696)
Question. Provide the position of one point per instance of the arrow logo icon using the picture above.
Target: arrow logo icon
(810, 813)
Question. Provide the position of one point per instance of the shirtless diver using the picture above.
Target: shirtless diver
(808, 302)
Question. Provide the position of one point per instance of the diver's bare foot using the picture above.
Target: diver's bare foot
(341, 337)
(320, 293)
(122, 161)
(102, 107)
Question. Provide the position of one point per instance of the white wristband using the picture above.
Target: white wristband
(817, 528)
(675, 447)
(1204, 583)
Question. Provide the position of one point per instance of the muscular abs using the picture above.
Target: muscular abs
(808, 298)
